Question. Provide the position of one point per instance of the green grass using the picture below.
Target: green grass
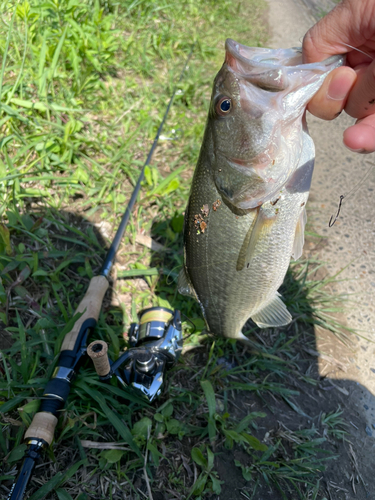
(84, 85)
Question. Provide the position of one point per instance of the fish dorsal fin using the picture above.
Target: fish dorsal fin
(273, 314)
(262, 226)
(184, 286)
(299, 238)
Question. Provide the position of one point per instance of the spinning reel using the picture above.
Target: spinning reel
(155, 346)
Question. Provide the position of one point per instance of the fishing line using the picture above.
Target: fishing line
(332, 222)
(333, 218)
(191, 322)
(358, 50)
(353, 190)
(350, 47)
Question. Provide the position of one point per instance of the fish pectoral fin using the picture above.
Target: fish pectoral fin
(261, 227)
(299, 238)
(184, 286)
(242, 257)
(273, 314)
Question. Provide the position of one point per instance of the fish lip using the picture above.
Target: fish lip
(252, 166)
(257, 196)
(234, 47)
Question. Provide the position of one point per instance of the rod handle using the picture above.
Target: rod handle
(42, 427)
(90, 305)
(98, 352)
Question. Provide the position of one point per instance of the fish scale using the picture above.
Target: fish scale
(227, 296)
(246, 211)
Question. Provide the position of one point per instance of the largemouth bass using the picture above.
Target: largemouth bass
(246, 212)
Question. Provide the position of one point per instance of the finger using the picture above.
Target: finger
(360, 138)
(345, 26)
(330, 99)
(361, 101)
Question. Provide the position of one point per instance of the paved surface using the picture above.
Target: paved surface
(350, 243)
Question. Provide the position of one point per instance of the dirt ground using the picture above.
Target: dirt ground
(351, 474)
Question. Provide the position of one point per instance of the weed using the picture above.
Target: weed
(207, 481)
(287, 473)
(334, 425)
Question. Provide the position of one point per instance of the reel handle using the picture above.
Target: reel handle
(98, 352)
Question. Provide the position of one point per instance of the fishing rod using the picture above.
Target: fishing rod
(155, 345)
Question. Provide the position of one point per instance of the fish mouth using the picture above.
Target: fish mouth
(255, 167)
(254, 57)
(273, 70)
(255, 184)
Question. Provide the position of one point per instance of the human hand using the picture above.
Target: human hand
(349, 26)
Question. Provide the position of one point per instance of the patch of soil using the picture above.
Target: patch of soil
(347, 475)
(350, 475)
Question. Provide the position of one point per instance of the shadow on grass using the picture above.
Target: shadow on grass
(309, 419)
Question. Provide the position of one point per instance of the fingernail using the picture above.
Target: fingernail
(336, 90)
(357, 150)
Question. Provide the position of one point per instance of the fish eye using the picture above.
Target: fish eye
(224, 106)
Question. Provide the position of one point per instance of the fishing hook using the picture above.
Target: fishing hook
(353, 190)
(330, 223)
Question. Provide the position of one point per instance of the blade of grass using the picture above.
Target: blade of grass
(5, 54)
(20, 73)
(134, 273)
(120, 426)
(56, 54)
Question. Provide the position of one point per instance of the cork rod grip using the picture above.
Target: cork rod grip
(90, 305)
(98, 352)
(42, 427)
